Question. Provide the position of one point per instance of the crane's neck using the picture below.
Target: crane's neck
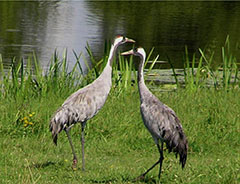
(111, 55)
(107, 72)
(142, 88)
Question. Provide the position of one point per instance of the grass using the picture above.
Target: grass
(118, 146)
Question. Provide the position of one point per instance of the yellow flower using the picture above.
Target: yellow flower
(74, 168)
(25, 118)
(26, 121)
(30, 123)
(30, 115)
(25, 125)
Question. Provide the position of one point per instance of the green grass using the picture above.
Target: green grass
(118, 146)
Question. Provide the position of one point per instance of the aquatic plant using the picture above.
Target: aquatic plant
(200, 73)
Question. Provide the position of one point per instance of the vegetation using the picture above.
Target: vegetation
(203, 74)
(118, 146)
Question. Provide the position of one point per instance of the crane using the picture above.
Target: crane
(85, 103)
(160, 120)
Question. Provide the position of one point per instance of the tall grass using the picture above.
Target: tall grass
(26, 80)
(22, 81)
(201, 73)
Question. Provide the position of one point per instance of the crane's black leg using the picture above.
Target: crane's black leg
(143, 175)
(83, 141)
(74, 166)
(160, 159)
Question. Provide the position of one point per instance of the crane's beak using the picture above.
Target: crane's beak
(130, 40)
(130, 52)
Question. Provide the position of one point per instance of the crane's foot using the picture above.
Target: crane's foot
(74, 165)
(83, 168)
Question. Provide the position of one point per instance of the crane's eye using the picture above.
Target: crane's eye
(124, 38)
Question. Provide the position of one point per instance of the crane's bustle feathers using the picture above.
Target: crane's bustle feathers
(159, 119)
(86, 102)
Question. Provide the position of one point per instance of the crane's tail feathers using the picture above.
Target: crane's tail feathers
(179, 145)
(55, 139)
(55, 127)
(181, 149)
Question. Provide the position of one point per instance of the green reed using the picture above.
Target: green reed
(226, 74)
(200, 73)
(26, 77)
(30, 79)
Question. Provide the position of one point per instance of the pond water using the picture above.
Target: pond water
(43, 26)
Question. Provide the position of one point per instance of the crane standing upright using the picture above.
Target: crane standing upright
(160, 120)
(85, 103)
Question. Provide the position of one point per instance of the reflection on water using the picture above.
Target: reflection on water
(44, 26)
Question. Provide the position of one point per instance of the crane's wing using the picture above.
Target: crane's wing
(163, 124)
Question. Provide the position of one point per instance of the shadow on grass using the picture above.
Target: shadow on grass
(44, 165)
(149, 180)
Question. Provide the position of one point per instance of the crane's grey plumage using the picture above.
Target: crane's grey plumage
(159, 119)
(85, 103)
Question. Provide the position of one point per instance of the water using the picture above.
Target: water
(43, 26)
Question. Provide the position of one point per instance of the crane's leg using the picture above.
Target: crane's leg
(143, 175)
(74, 165)
(83, 141)
(160, 159)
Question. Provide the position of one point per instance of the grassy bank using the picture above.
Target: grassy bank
(118, 146)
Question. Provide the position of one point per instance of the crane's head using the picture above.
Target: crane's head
(119, 40)
(136, 51)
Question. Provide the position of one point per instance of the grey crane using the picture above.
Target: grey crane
(160, 120)
(85, 103)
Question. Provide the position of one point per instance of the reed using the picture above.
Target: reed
(200, 73)
(26, 81)
(26, 78)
